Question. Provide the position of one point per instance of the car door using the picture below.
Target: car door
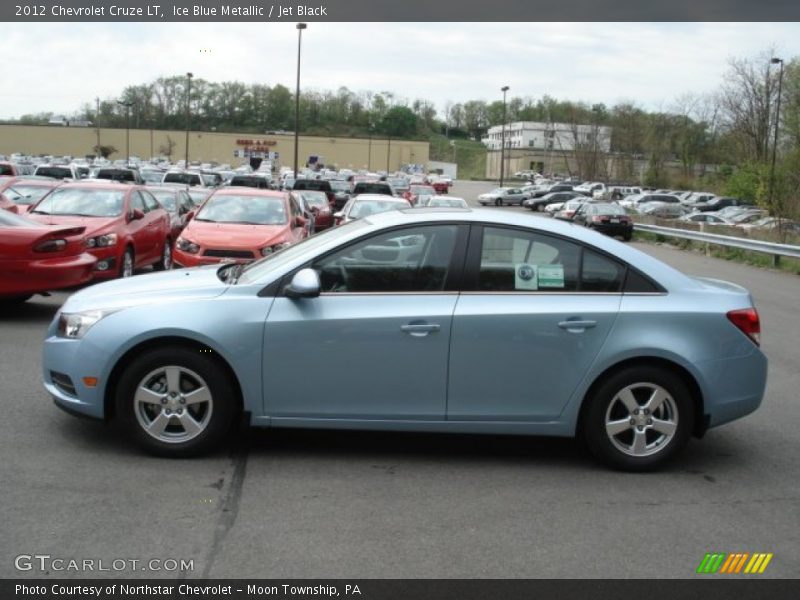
(374, 344)
(158, 224)
(532, 318)
(138, 230)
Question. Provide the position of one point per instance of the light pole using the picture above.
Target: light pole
(97, 123)
(300, 27)
(775, 61)
(127, 106)
(503, 89)
(388, 150)
(188, 117)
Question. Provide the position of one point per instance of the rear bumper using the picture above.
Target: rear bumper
(737, 384)
(33, 276)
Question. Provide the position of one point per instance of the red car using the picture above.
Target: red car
(126, 227)
(240, 224)
(35, 258)
(177, 202)
(440, 185)
(318, 205)
(24, 192)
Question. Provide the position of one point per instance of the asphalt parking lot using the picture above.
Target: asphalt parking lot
(367, 505)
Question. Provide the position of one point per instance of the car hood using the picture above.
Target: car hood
(234, 236)
(170, 286)
(92, 224)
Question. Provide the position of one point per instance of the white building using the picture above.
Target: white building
(556, 137)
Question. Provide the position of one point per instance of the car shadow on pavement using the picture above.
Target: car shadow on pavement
(28, 312)
(440, 447)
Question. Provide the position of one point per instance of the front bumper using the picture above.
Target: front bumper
(60, 364)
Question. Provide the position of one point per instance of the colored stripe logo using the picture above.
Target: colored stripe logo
(735, 563)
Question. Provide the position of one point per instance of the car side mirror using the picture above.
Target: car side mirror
(305, 284)
(137, 214)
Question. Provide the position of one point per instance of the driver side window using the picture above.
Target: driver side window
(415, 259)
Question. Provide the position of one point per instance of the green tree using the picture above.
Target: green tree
(399, 121)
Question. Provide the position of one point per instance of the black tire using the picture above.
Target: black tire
(127, 255)
(540, 207)
(627, 237)
(619, 450)
(498, 202)
(214, 418)
(165, 261)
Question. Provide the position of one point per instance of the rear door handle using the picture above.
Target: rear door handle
(576, 326)
(419, 329)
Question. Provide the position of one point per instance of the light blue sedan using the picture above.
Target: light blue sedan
(447, 320)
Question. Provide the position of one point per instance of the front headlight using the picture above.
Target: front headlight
(75, 325)
(187, 246)
(267, 250)
(102, 241)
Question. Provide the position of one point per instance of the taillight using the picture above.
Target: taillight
(748, 322)
(50, 246)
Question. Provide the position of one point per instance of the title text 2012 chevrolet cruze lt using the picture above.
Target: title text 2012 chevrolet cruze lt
(451, 320)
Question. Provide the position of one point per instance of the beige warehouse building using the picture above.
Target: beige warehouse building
(206, 146)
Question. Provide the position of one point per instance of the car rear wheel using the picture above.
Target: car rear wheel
(126, 265)
(638, 418)
(176, 402)
(165, 262)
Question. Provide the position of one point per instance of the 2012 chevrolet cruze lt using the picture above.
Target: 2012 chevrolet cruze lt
(450, 320)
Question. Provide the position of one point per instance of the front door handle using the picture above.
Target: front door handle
(419, 329)
(576, 325)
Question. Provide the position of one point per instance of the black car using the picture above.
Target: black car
(372, 187)
(341, 193)
(719, 203)
(315, 185)
(253, 181)
(538, 204)
(610, 219)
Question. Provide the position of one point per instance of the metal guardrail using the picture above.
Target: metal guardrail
(776, 250)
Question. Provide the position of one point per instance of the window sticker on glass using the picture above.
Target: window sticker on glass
(525, 277)
(551, 276)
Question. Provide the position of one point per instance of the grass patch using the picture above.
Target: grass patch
(757, 259)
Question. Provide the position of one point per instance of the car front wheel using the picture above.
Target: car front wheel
(176, 402)
(638, 418)
(165, 262)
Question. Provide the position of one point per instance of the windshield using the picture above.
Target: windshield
(82, 202)
(152, 176)
(186, 178)
(449, 202)
(423, 190)
(255, 210)
(255, 270)
(362, 209)
(318, 199)
(166, 199)
(608, 209)
(26, 194)
(57, 172)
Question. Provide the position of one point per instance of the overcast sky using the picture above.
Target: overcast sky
(56, 67)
